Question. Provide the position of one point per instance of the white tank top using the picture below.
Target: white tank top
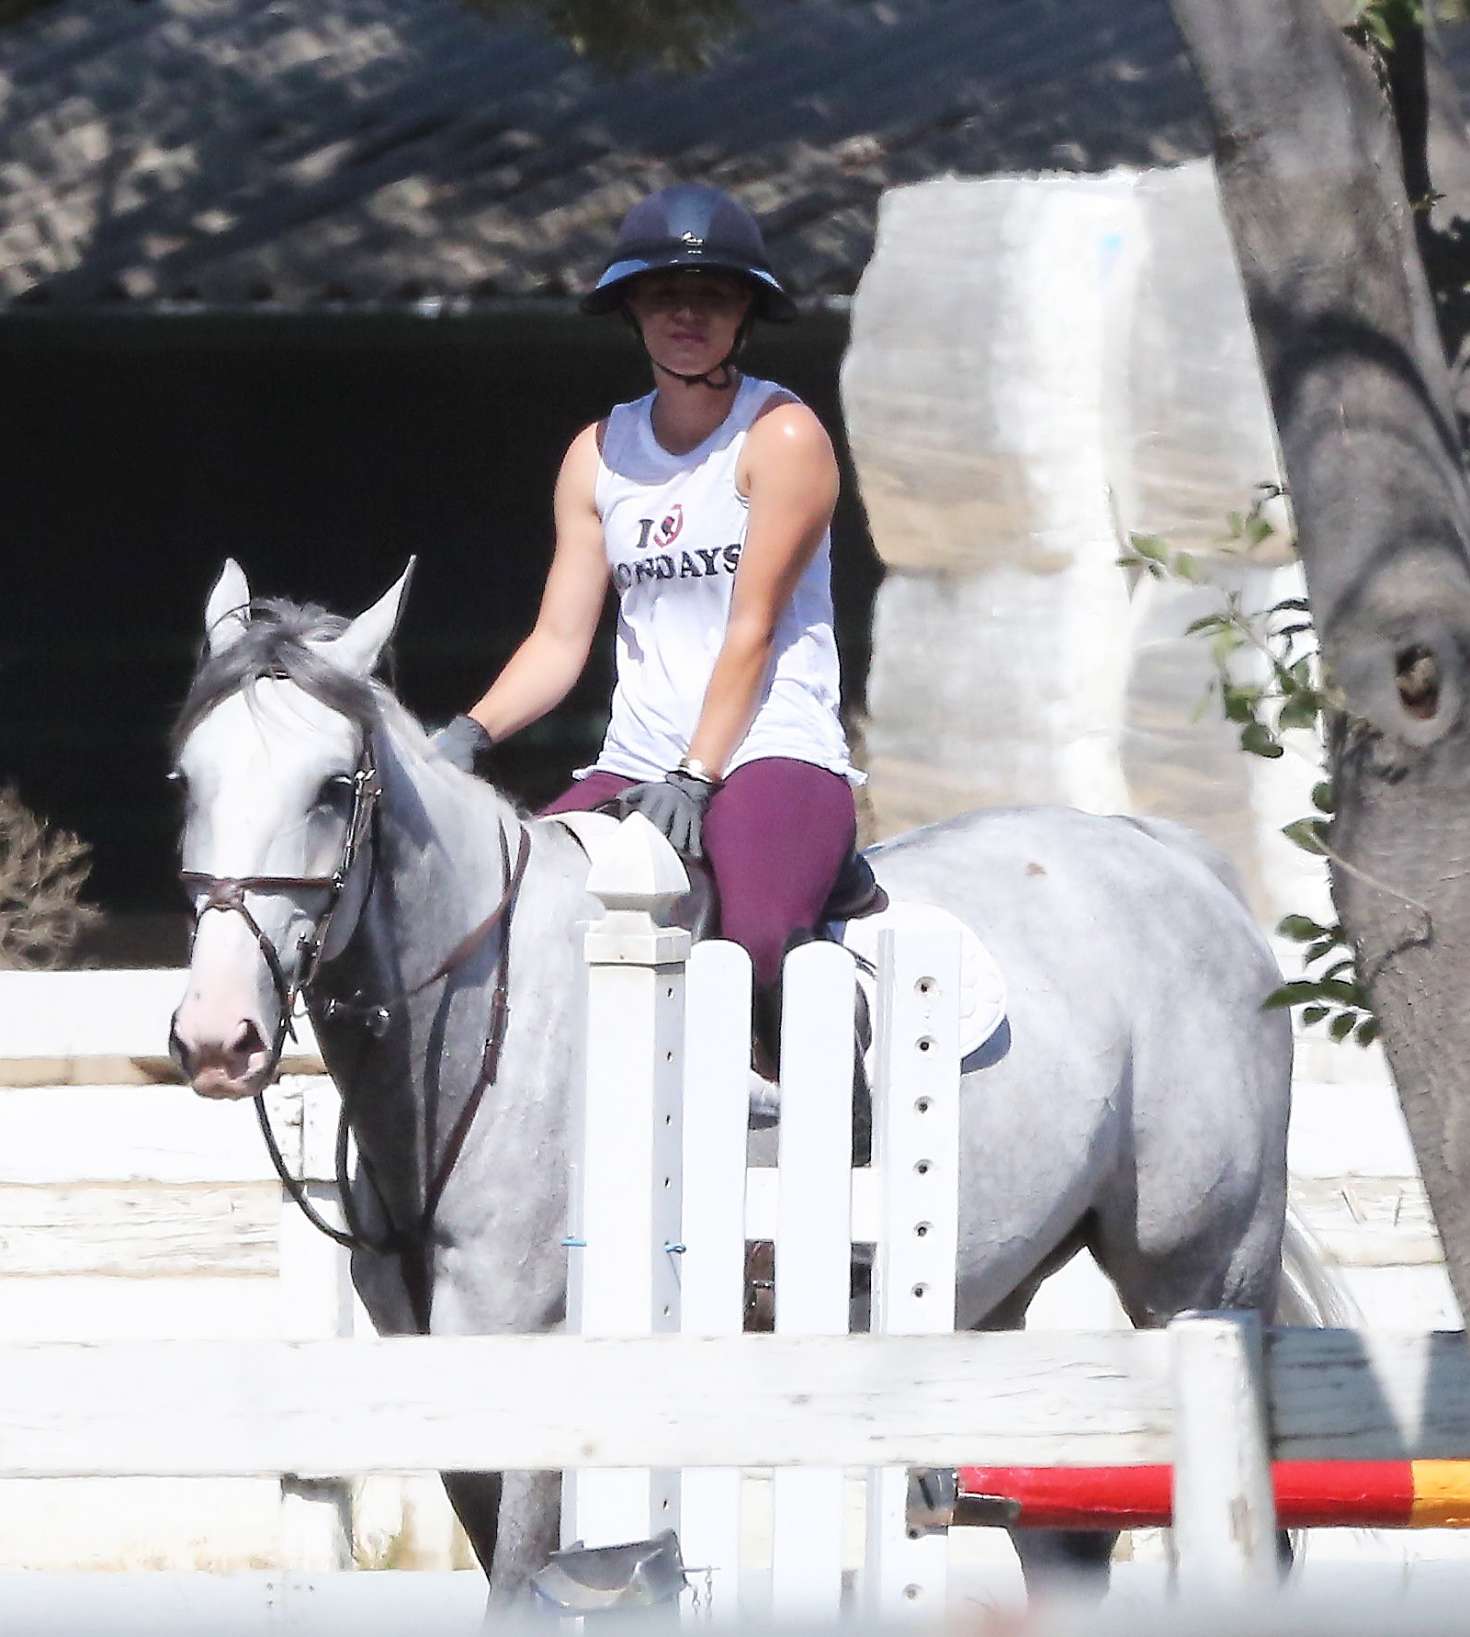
(674, 526)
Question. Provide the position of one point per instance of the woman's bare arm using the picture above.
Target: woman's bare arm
(789, 473)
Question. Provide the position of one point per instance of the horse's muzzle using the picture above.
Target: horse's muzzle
(239, 1066)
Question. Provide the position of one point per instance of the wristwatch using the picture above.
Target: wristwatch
(696, 770)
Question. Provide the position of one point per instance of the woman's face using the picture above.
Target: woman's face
(689, 320)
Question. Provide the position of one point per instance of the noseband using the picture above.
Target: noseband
(227, 892)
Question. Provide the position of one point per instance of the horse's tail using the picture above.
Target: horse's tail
(1310, 1293)
(1169, 833)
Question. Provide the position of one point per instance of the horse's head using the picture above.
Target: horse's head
(273, 759)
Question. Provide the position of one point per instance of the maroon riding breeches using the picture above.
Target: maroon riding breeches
(776, 833)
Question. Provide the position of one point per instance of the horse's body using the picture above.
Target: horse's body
(1135, 1102)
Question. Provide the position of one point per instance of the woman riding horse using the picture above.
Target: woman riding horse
(708, 504)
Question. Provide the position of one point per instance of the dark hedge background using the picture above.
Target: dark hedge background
(320, 451)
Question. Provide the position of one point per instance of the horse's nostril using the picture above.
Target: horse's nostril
(248, 1041)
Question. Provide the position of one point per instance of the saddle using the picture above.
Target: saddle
(855, 894)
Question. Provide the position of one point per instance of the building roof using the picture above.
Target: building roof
(306, 151)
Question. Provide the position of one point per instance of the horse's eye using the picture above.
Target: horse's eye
(178, 778)
(333, 789)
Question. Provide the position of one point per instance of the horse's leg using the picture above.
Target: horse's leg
(512, 1519)
(1067, 1560)
(1223, 1268)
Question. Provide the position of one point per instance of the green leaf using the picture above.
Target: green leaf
(1235, 522)
(1343, 1025)
(1313, 1014)
(1368, 1032)
(1150, 546)
(1258, 529)
(1306, 833)
(1224, 644)
(1323, 797)
(1256, 738)
(1378, 27)
(1186, 566)
(1300, 711)
(1318, 950)
(1240, 703)
(1206, 622)
(1296, 993)
(1337, 969)
(1301, 929)
(1345, 994)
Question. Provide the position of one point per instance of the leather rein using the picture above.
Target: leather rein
(228, 893)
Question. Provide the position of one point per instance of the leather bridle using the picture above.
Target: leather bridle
(228, 893)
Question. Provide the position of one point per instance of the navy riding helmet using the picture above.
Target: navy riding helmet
(690, 226)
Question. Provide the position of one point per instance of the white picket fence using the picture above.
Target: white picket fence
(659, 1403)
(664, 1205)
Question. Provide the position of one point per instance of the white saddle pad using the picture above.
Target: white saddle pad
(982, 984)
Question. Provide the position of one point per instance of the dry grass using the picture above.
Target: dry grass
(42, 871)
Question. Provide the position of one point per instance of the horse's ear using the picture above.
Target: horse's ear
(227, 612)
(361, 645)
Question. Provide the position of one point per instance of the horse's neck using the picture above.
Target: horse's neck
(443, 845)
(439, 871)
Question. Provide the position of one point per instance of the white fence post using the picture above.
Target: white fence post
(916, 1150)
(716, 1121)
(813, 1253)
(316, 1303)
(624, 1208)
(1224, 1503)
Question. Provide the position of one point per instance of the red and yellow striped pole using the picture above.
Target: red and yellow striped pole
(1309, 1495)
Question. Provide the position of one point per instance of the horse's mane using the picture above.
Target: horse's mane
(278, 641)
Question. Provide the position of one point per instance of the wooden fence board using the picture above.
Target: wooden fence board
(405, 1404)
(130, 1133)
(65, 1018)
(138, 1230)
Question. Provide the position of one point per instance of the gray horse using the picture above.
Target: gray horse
(1135, 1103)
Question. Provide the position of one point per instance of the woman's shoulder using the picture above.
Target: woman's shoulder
(765, 396)
(783, 421)
(620, 430)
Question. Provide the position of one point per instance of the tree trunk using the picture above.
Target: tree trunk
(1313, 188)
(1444, 232)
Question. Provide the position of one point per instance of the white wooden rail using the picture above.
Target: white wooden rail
(401, 1403)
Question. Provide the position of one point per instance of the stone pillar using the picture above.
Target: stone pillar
(1039, 367)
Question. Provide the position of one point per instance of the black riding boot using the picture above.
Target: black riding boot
(766, 1050)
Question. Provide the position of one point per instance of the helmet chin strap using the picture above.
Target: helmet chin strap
(719, 377)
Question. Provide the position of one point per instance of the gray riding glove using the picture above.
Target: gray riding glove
(675, 805)
(463, 743)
